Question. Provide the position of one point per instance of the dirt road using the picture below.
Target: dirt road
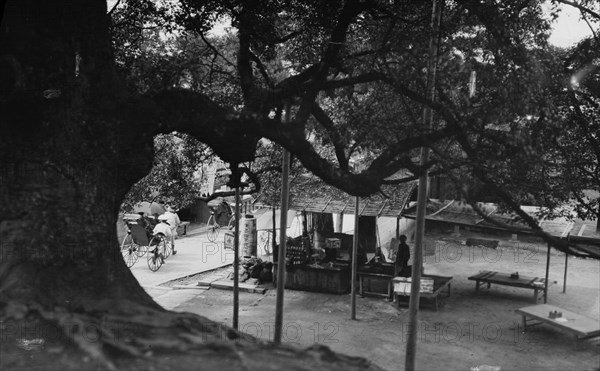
(469, 329)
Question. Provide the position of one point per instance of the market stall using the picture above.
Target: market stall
(315, 270)
(321, 261)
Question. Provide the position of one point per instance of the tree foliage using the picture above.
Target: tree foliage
(357, 90)
(177, 172)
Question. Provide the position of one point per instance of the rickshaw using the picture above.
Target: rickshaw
(221, 215)
(140, 241)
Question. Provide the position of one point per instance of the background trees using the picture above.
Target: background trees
(578, 146)
(176, 175)
(498, 82)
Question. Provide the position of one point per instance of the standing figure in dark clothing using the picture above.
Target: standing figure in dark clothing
(402, 258)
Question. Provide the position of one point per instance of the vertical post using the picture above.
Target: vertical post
(304, 223)
(340, 223)
(546, 281)
(354, 262)
(236, 260)
(415, 287)
(565, 278)
(282, 238)
(274, 231)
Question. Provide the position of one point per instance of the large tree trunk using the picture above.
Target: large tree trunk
(70, 151)
(65, 165)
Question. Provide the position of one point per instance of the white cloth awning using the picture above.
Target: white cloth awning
(264, 219)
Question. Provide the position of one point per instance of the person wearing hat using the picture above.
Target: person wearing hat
(172, 219)
(174, 222)
(164, 228)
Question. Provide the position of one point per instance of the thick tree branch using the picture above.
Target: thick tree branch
(350, 81)
(363, 184)
(329, 125)
(301, 86)
(262, 69)
(215, 50)
(416, 175)
(338, 38)
(559, 244)
(288, 37)
(244, 65)
(110, 12)
(580, 7)
(292, 85)
(252, 190)
(228, 133)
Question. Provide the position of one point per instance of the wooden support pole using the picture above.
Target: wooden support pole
(415, 287)
(565, 278)
(285, 190)
(547, 270)
(354, 262)
(236, 261)
(340, 223)
(305, 224)
(274, 231)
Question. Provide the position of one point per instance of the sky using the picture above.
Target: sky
(568, 29)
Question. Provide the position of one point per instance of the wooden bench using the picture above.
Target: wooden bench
(383, 272)
(580, 326)
(488, 277)
(439, 283)
(365, 279)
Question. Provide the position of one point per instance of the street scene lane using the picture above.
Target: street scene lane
(195, 254)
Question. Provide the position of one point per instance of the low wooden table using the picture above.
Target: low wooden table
(488, 277)
(439, 282)
(382, 272)
(580, 326)
(365, 289)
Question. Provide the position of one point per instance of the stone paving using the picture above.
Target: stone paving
(195, 254)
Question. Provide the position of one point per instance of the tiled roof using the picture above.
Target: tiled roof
(315, 196)
(581, 233)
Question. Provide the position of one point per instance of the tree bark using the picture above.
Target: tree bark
(72, 142)
(65, 165)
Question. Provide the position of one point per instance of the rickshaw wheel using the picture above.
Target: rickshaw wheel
(141, 250)
(157, 247)
(128, 250)
(212, 233)
(154, 260)
(168, 247)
